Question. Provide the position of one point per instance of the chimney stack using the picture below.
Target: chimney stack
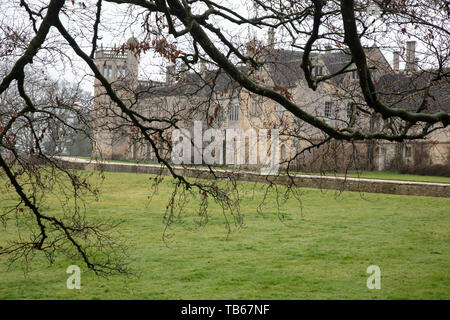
(271, 38)
(203, 68)
(396, 61)
(410, 55)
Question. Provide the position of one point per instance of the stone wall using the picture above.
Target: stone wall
(306, 181)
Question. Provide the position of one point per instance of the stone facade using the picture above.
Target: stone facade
(219, 102)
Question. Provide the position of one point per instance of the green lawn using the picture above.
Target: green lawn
(321, 253)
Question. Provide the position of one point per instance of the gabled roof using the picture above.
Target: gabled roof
(335, 61)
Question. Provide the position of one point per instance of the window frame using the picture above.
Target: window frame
(233, 111)
(220, 115)
(328, 107)
(121, 71)
(408, 152)
(107, 71)
(318, 70)
(350, 107)
(255, 107)
(280, 109)
(283, 153)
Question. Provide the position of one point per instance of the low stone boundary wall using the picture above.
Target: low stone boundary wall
(307, 181)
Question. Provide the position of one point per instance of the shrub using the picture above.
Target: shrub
(440, 170)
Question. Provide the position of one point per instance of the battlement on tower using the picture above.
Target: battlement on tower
(111, 54)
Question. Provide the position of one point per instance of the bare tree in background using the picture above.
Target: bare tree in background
(318, 53)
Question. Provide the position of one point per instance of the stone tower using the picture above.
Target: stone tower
(120, 66)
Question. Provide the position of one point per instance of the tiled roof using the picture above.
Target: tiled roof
(407, 90)
(191, 83)
(283, 67)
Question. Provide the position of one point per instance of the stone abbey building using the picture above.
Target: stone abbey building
(219, 102)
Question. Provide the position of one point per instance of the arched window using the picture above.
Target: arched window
(327, 111)
(283, 153)
(233, 112)
(350, 107)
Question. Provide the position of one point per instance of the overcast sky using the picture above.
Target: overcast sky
(150, 66)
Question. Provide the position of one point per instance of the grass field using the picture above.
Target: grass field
(321, 253)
